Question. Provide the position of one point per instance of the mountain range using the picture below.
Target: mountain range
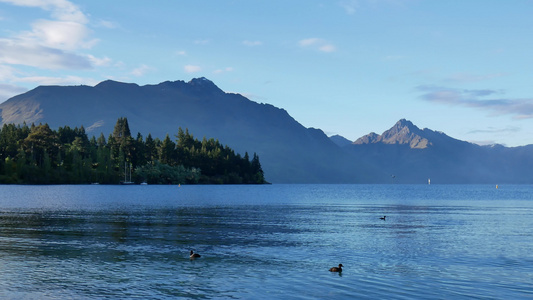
(413, 155)
(289, 152)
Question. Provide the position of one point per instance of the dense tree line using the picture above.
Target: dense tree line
(37, 154)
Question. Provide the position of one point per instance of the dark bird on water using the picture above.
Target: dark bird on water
(383, 218)
(194, 255)
(336, 269)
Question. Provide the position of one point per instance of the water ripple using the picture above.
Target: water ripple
(80, 243)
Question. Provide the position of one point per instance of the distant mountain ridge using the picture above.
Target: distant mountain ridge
(289, 152)
(412, 155)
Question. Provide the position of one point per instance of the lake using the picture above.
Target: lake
(266, 242)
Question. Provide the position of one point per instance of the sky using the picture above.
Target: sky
(348, 67)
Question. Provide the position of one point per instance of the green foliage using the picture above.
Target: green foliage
(158, 173)
(40, 155)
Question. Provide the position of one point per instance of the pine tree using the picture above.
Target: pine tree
(121, 130)
(150, 149)
(38, 154)
(166, 151)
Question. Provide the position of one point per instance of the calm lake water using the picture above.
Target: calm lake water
(266, 242)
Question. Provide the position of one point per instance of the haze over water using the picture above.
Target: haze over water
(264, 242)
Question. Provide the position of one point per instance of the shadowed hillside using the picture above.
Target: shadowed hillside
(289, 152)
(411, 155)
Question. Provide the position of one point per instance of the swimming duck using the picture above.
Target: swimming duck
(194, 255)
(383, 218)
(336, 269)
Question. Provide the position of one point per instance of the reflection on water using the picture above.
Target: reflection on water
(264, 242)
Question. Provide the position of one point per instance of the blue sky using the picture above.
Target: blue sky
(348, 67)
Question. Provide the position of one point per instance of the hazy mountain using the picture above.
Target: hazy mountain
(340, 140)
(411, 155)
(288, 151)
(402, 133)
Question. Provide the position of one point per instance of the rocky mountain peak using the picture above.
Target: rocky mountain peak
(404, 132)
(370, 138)
(204, 86)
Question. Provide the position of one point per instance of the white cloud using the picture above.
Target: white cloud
(8, 90)
(327, 48)
(218, 71)
(107, 24)
(192, 69)
(252, 43)
(15, 52)
(6, 73)
(181, 53)
(350, 6)
(354, 6)
(495, 130)
(252, 96)
(61, 9)
(67, 80)
(141, 70)
(393, 57)
(64, 35)
(309, 42)
(50, 44)
(468, 77)
(106, 61)
(519, 108)
(317, 44)
(95, 126)
(201, 42)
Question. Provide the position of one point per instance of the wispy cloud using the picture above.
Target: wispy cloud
(201, 42)
(519, 108)
(68, 80)
(67, 30)
(141, 70)
(218, 71)
(61, 9)
(192, 69)
(6, 72)
(350, 6)
(463, 77)
(253, 97)
(393, 57)
(106, 61)
(317, 44)
(13, 52)
(8, 90)
(252, 43)
(50, 44)
(492, 131)
(107, 24)
(65, 35)
(508, 129)
(95, 125)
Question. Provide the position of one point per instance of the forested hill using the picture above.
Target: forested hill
(37, 154)
(290, 153)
